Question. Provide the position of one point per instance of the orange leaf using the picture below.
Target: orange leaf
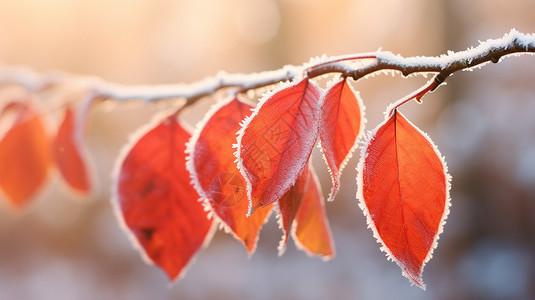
(24, 155)
(215, 175)
(68, 156)
(303, 206)
(312, 231)
(156, 201)
(404, 193)
(289, 205)
(275, 143)
(341, 126)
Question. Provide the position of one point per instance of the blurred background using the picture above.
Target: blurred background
(482, 121)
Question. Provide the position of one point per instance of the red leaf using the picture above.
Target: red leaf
(303, 206)
(215, 175)
(275, 143)
(68, 156)
(341, 126)
(404, 193)
(24, 155)
(156, 201)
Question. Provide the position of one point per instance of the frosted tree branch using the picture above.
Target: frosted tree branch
(369, 63)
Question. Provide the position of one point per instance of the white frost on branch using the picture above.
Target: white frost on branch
(508, 41)
(369, 63)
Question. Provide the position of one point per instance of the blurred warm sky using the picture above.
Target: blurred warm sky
(482, 121)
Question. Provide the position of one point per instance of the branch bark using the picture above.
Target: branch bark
(369, 63)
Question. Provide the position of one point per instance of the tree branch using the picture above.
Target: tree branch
(490, 51)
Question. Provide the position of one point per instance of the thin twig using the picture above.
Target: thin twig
(489, 51)
(417, 95)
